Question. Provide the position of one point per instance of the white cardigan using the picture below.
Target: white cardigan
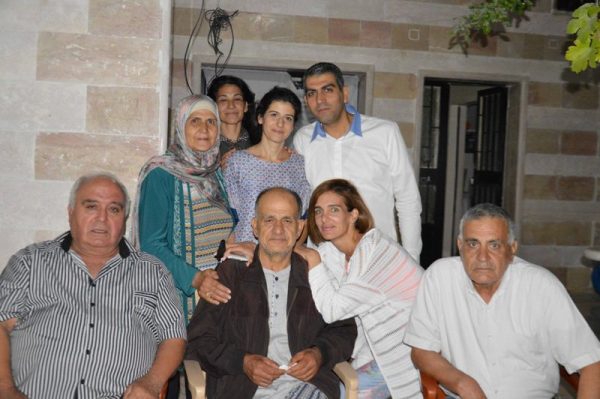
(378, 289)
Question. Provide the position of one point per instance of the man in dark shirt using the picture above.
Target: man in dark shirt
(269, 340)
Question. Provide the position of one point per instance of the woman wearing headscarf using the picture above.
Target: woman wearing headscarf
(182, 210)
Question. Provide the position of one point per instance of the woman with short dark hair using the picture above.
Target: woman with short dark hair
(268, 163)
(235, 102)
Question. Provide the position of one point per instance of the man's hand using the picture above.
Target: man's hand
(305, 364)
(434, 364)
(168, 356)
(209, 288)
(11, 393)
(468, 388)
(142, 388)
(261, 370)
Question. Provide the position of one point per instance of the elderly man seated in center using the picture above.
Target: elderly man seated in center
(488, 324)
(268, 340)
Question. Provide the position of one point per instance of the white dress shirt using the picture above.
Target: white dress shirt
(510, 345)
(373, 156)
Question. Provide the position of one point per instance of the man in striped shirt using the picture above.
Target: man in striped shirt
(86, 315)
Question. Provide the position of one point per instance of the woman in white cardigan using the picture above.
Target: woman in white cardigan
(360, 272)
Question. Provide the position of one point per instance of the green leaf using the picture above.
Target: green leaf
(582, 10)
(574, 25)
(580, 54)
(484, 17)
(583, 25)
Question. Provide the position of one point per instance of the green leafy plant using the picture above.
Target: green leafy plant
(585, 51)
(486, 19)
(491, 17)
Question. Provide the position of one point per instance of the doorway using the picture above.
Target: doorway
(463, 156)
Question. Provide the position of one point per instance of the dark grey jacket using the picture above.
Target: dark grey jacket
(220, 336)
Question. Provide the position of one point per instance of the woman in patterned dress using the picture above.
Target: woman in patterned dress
(268, 163)
(182, 210)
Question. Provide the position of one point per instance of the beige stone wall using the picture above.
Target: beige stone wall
(83, 87)
(399, 42)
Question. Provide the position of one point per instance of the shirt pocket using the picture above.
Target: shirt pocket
(523, 352)
(144, 310)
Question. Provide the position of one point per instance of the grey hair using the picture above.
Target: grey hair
(99, 175)
(295, 195)
(490, 211)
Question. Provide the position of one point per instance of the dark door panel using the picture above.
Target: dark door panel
(485, 143)
(489, 154)
(432, 170)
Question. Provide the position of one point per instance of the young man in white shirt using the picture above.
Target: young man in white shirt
(368, 151)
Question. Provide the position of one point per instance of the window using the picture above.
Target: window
(569, 5)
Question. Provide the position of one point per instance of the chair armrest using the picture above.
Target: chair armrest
(196, 379)
(349, 377)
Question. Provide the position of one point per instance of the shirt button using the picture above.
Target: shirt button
(87, 351)
(91, 325)
(276, 278)
(82, 381)
(92, 304)
(276, 296)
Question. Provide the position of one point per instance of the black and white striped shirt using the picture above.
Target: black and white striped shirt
(75, 334)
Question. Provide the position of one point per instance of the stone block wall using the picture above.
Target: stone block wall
(401, 41)
(84, 87)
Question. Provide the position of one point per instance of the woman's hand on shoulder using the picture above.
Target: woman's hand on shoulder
(209, 289)
(311, 256)
(240, 250)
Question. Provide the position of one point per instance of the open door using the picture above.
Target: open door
(432, 170)
(461, 157)
(489, 153)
